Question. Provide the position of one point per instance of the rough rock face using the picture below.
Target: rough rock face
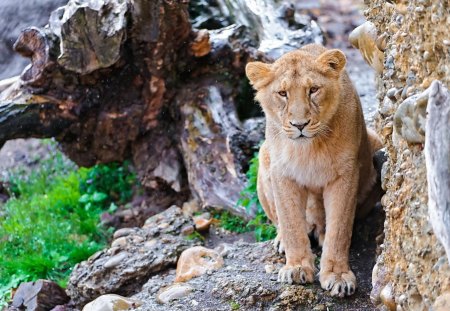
(134, 256)
(413, 269)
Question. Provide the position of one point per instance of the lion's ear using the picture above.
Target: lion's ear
(332, 61)
(259, 74)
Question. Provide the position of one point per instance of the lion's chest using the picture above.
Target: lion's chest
(310, 168)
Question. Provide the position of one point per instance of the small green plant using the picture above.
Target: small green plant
(249, 199)
(234, 305)
(231, 222)
(195, 236)
(52, 220)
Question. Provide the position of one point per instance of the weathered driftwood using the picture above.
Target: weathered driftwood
(437, 156)
(117, 79)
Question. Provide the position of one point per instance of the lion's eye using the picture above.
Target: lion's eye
(282, 93)
(313, 90)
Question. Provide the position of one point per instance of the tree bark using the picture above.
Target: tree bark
(121, 79)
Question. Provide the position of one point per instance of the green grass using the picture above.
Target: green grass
(261, 225)
(52, 220)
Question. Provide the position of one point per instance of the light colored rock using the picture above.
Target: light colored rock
(126, 268)
(112, 302)
(196, 261)
(115, 260)
(410, 118)
(442, 303)
(387, 297)
(173, 292)
(364, 38)
(202, 222)
(437, 156)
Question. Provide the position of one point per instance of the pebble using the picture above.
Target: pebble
(196, 261)
(112, 302)
(269, 268)
(120, 242)
(173, 292)
(387, 297)
(123, 232)
(115, 260)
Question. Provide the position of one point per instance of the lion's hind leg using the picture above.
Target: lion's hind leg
(315, 216)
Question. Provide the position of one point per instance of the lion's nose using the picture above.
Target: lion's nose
(300, 125)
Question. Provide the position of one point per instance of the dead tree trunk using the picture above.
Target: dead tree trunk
(121, 79)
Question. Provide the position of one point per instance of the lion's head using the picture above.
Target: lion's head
(300, 91)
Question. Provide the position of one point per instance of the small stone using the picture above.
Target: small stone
(269, 268)
(391, 94)
(173, 292)
(442, 303)
(387, 297)
(115, 260)
(150, 244)
(112, 302)
(164, 225)
(188, 229)
(320, 307)
(120, 242)
(196, 261)
(123, 232)
(201, 223)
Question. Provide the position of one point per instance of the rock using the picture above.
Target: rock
(173, 292)
(123, 269)
(202, 222)
(111, 302)
(124, 232)
(115, 260)
(437, 157)
(387, 297)
(442, 302)
(364, 38)
(39, 295)
(411, 250)
(410, 118)
(197, 261)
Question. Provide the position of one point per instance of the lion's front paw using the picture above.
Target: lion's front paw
(278, 244)
(296, 274)
(338, 284)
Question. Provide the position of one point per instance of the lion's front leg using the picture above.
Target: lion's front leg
(290, 202)
(340, 204)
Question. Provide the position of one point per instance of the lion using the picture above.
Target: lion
(315, 166)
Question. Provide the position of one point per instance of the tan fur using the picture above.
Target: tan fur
(312, 183)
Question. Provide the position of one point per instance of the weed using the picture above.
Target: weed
(249, 199)
(52, 220)
(234, 305)
(195, 236)
(231, 222)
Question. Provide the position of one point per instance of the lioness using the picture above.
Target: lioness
(316, 162)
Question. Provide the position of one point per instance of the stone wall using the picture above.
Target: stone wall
(412, 271)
